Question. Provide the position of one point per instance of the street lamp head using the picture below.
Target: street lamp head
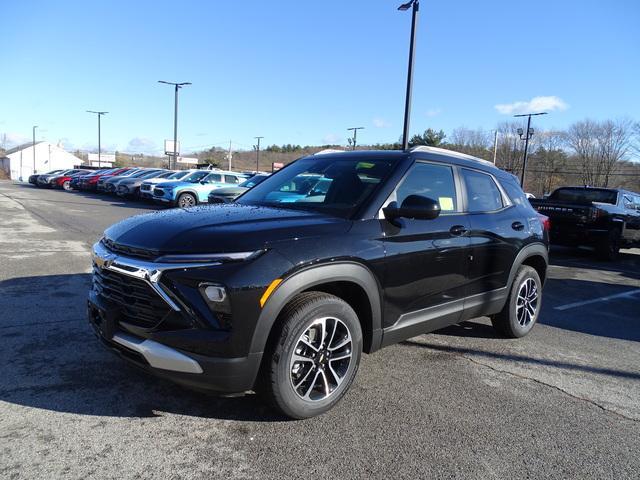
(406, 6)
(520, 132)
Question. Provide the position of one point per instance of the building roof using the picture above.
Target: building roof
(20, 147)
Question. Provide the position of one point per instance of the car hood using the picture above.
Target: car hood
(221, 228)
(225, 191)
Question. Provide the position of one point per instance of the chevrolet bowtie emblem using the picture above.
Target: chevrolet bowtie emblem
(106, 261)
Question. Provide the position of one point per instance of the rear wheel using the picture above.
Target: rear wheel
(609, 248)
(315, 356)
(521, 311)
(186, 200)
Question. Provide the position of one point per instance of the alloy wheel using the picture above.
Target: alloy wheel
(527, 302)
(321, 359)
(187, 201)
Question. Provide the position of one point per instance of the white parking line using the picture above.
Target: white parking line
(628, 294)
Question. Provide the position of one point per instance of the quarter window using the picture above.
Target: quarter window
(483, 195)
(431, 181)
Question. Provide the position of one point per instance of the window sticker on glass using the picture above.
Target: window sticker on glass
(446, 204)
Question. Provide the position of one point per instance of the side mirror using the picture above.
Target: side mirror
(415, 207)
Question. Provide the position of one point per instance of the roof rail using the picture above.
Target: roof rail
(452, 153)
(329, 150)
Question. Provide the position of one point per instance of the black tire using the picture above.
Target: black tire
(280, 373)
(609, 248)
(516, 320)
(185, 200)
(66, 185)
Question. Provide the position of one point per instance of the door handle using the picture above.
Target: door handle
(457, 230)
(517, 226)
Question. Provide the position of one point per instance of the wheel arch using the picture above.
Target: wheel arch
(535, 255)
(351, 281)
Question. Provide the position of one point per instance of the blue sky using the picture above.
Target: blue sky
(303, 72)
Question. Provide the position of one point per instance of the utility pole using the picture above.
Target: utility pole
(258, 154)
(527, 136)
(229, 155)
(495, 146)
(34, 148)
(99, 144)
(407, 103)
(355, 135)
(177, 86)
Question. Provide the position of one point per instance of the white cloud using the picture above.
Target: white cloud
(433, 112)
(141, 145)
(380, 123)
(536, 104)
(332, 139)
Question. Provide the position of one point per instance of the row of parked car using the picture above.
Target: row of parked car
(183, 188)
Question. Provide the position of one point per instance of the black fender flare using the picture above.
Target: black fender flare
(530, 250)
(305, 279)
(186, 190)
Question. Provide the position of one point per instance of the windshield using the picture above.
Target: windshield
(195, 177)
(585, 195)
(146, 174)
(334, 185)
(178, 175)
(253, 181)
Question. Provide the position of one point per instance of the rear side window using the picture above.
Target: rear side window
(214, 178)
(432, 181)
(515, 193)
(483, 195)
(230, 179)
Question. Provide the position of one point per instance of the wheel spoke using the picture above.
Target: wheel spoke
(311, 385)
(344, 342)
(301, 358)
(340, 357)
(306, 375)
(308, 344)
(325, 383)
(333, 333)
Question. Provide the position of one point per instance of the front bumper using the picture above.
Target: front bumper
(200, 372)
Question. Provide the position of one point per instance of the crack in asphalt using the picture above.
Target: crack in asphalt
(540, 382)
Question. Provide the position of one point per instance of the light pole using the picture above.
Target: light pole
(258, 154)
(528, 135)
(34, 148)
(177, 86)
(407, 103)
(355, 135)
(495, 146)
(100, 114)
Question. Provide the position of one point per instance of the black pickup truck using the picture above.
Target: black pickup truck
(605, 218)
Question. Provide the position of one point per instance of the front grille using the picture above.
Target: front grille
(138, 303)
(130, 251)
(145, 187)
(158, 192)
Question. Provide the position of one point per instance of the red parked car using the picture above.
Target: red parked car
(90, 182)
(64, 181)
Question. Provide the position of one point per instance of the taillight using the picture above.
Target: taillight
(545, 221)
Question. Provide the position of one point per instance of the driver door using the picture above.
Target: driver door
(426, 260)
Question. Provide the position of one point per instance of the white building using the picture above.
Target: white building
(19, 161)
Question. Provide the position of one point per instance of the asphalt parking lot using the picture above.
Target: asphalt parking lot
(460, 403)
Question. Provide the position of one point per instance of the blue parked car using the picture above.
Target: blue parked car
(309, 188)
(194, 188)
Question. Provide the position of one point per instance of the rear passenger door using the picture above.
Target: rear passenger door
(499, 229)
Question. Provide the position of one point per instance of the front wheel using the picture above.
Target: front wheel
(66, 185)
(521, 311)
(314, 357)
(186, 200)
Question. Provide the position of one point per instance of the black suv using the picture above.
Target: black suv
(281, 291)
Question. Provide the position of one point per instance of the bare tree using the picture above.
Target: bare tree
(548, 160)
(509, 152)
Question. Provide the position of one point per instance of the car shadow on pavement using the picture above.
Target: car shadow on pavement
(523, 359)
(51, 359)
(627, 264)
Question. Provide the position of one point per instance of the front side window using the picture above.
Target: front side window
(213, 178)
(432, 181)
(337, 185)
(483, 195)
